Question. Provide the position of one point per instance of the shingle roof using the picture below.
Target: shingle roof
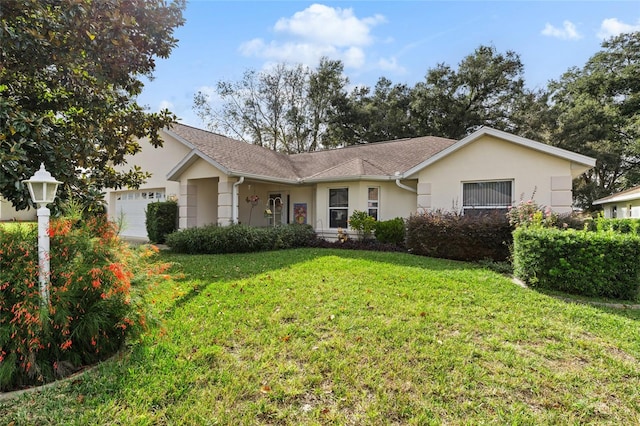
(379, 159)
(237, 156)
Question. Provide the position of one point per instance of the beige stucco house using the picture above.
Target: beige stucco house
(625, 204)
(218, 180)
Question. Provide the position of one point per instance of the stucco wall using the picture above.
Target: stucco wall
(626, 209)
(158, 162)
(8, 212)
(490, 158)
(393, 201)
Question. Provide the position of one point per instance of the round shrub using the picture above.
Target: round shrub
(390, 231)
(160, 220)
(450, 235)
(94, 304)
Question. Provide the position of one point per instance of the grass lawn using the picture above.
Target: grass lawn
(316, 336)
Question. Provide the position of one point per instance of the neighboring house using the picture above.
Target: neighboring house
(8, 212)
(621, 205)
(218, 180)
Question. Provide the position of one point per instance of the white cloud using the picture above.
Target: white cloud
(164, 104)
(567, 32)
(391, 64)
(328, 25)
(611, 27)
(318, 31)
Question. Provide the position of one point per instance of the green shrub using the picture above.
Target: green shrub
(161, 220)
(603, 264)
(624, 226)
(460, 237)
(94, 305)
(239, 238)
(362, 223)
(390, 231)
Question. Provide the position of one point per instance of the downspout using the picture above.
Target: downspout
(234, 200)
(403, 186)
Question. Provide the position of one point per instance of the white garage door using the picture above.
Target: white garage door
(130, 210)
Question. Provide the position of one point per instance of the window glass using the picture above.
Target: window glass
(492, 195)
(373, 202)
(338, 207)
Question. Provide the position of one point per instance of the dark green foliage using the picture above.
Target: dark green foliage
(454, 236)
(390, 231)
(485, 90)
(69, 77)
(239, 239)
(596, 112)
(161, 220)
(588, 263)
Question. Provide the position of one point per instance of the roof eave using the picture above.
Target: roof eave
(617, 199)
(350, 178)
(237, 173)
(195, 154)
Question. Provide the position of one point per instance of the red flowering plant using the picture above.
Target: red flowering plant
(95, 299)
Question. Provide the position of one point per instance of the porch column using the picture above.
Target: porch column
(424, 197)
(188, 206)
(225, 203)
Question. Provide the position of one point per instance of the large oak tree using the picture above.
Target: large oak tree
(70, 71)
(597, 113)
(483, 91)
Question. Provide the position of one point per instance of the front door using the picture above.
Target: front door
(278, 208)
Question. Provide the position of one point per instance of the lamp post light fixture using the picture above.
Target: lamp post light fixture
(42, 188)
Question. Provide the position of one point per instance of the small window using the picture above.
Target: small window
(338, 207)
(151, 195)
(614, 212)
(483, 197)
(373, 202)
(144, 195)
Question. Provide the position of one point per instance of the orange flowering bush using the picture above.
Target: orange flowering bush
(94, 299)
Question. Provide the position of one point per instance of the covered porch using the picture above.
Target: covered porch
(223, 201)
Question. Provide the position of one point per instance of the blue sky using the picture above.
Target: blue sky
(399, 40)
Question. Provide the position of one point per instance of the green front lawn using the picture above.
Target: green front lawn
(316, 336)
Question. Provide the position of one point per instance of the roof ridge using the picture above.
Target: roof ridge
(340, 165)
(366, 144)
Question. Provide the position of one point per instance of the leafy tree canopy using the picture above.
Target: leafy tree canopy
(285, 108)
(69, 74)
(482, 91)
(597, 110)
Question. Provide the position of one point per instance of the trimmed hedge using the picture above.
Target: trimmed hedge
(390, 231)
(603, 264)
(161, 220)
(214, 239)
(454, 236)
(623, 226)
